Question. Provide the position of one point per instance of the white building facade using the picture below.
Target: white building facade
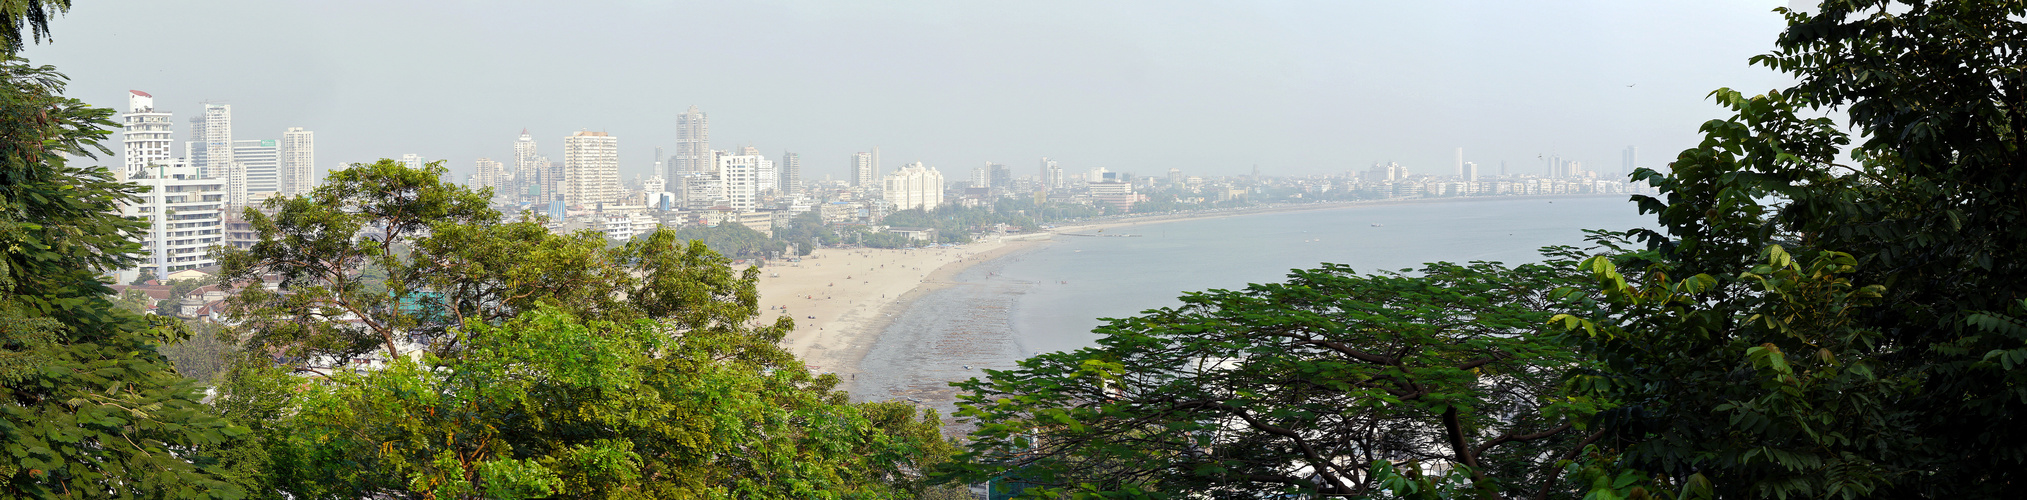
(590, 168)
(298, 161)
(914, 186)
(147, 135)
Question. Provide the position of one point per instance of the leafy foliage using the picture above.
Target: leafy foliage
(1295, 388)
(1854, 338)
(520, 363)
(88, 407)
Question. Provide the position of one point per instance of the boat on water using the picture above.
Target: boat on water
(1378, 225)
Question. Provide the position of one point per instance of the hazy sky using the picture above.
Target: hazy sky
(1211, 88)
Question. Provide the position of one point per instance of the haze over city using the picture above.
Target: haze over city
(1212, 89)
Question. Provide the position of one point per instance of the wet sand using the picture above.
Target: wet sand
(841, 299)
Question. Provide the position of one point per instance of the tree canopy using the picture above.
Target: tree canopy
(504, 361)
(88, 406)
(1298, 388)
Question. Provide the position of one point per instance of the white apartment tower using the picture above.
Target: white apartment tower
(590, 168)
(218, 159)
(740, 178)
(488, 175)
(862, 169)
(914, 186)
(185, 214)
(298, 161)
(147, 136)
(693, 145)
(528, 168)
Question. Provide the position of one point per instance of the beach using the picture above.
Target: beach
(846, 302)
(842, 298)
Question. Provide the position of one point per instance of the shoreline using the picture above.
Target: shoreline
(837, 326)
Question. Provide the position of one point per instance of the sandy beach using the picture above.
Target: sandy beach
(841, 299)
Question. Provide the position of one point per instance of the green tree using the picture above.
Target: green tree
(1316, 386)
(521, 363)
(88, 407)
(1862, 335)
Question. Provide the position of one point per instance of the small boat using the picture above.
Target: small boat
(1378, 225)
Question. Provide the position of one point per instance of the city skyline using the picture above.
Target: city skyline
(1298, 89)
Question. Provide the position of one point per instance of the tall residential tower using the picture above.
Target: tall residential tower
(693, 145)
(590, 168)
(298, 161)
(147, 136)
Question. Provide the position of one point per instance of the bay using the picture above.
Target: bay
(1049, 297)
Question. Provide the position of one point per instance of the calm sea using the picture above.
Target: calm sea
(1049, 298)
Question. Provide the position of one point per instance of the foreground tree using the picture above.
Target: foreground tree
(88, 407)
(1863, 337)
(508, 361)
(1314, 387)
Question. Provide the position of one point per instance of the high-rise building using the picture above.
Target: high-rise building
(1056, 179)
(487, 173)
(212, 133)
(914, 186)
(1470, 172)
(740, 178)
(298, 161)
(1460, 162)
(590, 168)
(185, 215)
(693, 144)
(260, 162)
(978, 176)
(791, 173)
(528, 168)
(862, 169)
(998, 176)
(147, 136)
(1630, 160)
(412, 160)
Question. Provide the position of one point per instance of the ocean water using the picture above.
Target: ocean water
(1048, 298)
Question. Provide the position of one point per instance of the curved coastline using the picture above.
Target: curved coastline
(840, 322)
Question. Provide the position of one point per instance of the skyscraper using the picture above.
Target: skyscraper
(530, 184)
(259, 162)
(298, 161)
(1460, 162)
(487, 174)
(862, 169)
(791, 173)
(739, 178)
(590, 168)
(147, 136)
(213, 131)
(1630, 160)
(693, 145)
(999, 177)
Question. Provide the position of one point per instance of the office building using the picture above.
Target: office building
(259, 162)
(590, 168)
(147, 135)
(298, 161)
(914, 186)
